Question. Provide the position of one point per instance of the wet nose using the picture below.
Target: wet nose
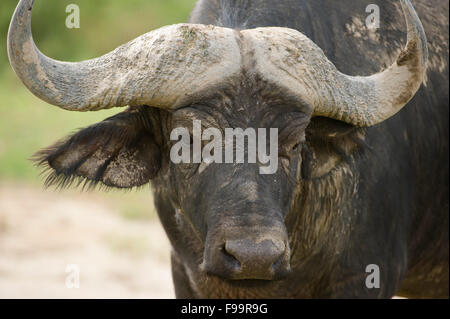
(251, 255)
(248, 259)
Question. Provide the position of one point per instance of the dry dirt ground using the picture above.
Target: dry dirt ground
(42, 232)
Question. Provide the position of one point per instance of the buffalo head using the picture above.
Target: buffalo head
(226, 220)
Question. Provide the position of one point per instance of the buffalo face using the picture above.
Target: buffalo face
(235, 213)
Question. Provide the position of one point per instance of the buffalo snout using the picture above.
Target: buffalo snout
(263, 257)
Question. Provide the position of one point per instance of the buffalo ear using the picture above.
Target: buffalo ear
(329, 143)
(119, 152)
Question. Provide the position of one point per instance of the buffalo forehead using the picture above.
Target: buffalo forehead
(281, 57)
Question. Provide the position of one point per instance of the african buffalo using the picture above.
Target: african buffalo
(362, 178)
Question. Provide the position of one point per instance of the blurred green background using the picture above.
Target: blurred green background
(28, 124)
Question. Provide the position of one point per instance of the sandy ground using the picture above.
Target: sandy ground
(42, 232)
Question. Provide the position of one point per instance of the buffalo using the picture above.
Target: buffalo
(358, 204)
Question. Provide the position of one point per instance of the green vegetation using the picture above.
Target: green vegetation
(28, 124)
(105, 24)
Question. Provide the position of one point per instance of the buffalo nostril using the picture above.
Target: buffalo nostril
(244, 259)
(230, 260)
(256, 257)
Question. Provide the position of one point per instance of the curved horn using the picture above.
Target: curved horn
(289, 59)
(163, 68)
(366, 101)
